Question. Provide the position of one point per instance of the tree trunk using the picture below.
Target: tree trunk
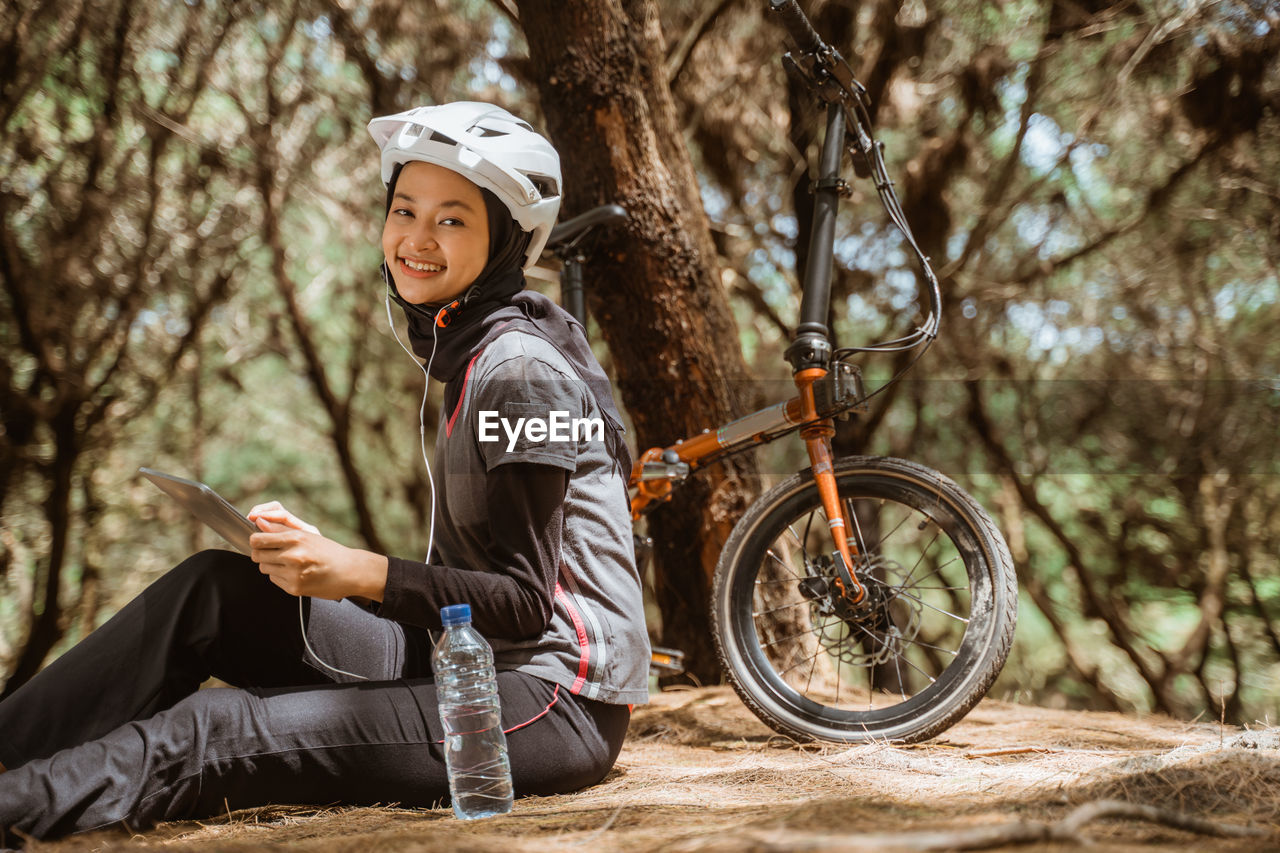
(599, 71)
(47, 624)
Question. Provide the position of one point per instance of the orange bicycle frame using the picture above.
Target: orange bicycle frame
(823, 395)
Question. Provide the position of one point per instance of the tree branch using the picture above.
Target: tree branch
(1216, 506)
(510, 14)
(678, 57)
(18, 72)
(1258, 607)
(273, 189)
(1154, 200)
(1077, 660)
(750, 291)
(382, 90)
(996, 189)
(1094, 604)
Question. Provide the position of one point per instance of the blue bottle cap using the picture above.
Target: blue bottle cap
(455, 614)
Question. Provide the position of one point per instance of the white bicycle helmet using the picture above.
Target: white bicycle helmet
(487, 145)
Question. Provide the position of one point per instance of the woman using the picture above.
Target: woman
(531, 529)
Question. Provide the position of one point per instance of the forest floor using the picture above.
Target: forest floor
(700, 773)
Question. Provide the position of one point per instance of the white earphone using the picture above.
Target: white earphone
(422, 441)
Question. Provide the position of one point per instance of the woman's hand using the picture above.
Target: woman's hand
(302, 562)
(275, 511)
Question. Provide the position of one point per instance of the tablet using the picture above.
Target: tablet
(208, 506)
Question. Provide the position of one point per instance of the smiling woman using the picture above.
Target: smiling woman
(436, 237)
(533, 533)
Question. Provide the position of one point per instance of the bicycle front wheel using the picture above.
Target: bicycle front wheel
(908, 662)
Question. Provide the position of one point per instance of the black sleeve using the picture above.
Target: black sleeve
(513, 599)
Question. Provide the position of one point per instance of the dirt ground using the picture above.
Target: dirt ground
(700, 773)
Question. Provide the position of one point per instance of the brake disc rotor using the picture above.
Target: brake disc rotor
(871, 633)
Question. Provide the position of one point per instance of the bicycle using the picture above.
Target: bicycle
(872, 576)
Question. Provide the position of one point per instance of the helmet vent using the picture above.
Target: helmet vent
(486, 132)
(546, 186)
(437, 136)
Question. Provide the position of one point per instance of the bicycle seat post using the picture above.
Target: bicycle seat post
(811, 346)
(572, 296)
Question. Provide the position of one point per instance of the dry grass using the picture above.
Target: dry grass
(700, 773)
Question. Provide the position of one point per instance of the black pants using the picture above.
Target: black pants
(115, 729)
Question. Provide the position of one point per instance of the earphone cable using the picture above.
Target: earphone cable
(431, 483)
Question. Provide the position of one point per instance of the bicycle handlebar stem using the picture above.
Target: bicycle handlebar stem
(811, 345)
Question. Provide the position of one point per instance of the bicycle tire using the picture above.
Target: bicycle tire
(772, 578)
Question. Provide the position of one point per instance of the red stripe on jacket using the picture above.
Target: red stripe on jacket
(584, 646)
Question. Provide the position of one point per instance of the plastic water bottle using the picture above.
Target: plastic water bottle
(475, 749)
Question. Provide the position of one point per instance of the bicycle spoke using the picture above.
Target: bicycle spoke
(788, 639)
(851, 511)
(880, 542)
(923, 644)
(923, 552)
(921, 601)
(897, 669)
(808, 525)
(820, 651)
(901, 588)
(896, 658)
(939, 569)
(839, 678)
(812, 669)
(759, 613)
(784, 565)
(908, 662)
(874, 638)
(915, 587)
(799, 542)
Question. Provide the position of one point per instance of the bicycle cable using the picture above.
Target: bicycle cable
(874, 153)
(924, 335)
(864, 144)
(828, 75)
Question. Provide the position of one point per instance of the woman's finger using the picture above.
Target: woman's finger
(283, 516)
(271, 540)
(274, 515)
(295, 522)
(266, 507)
(266, 558)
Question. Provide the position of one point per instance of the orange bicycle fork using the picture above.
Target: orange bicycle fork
(817, 434)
